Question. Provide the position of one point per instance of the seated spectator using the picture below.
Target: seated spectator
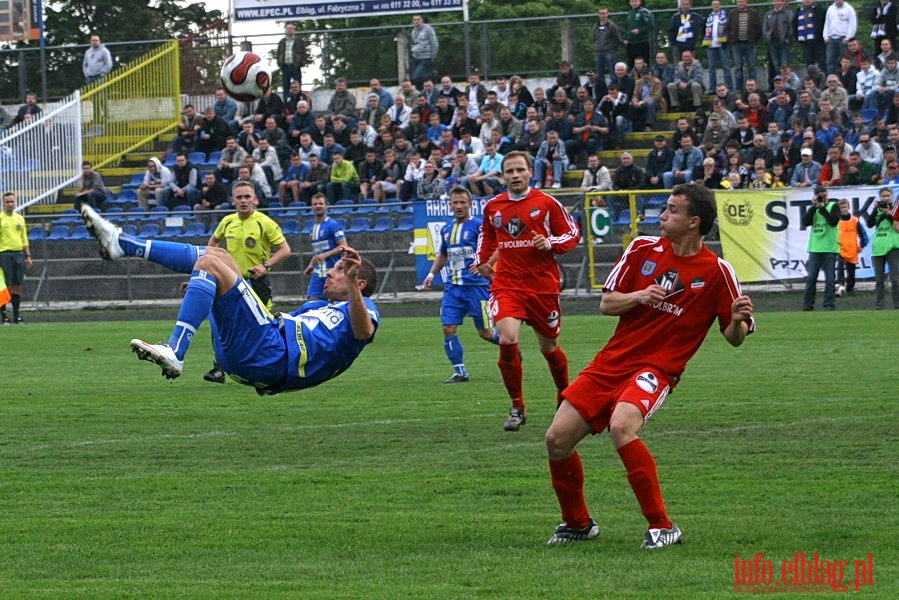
(277, 139)
(226, 108)
(687, 84)
(624, 81)
(302, 120)
(183, 188)
(857, 82)
(248, 138)
(727, 97)
(646, 101)
(560, 123)
(682, 129)
(344, 180)
(446, 142)
(488, 123)
(343, 102)
(415, 170)
(566, 80)
(424, 147)
(447, 91)
(271, 105)
(266, 157)
(472, 146)
(370, 171)
(403, 149)
(806, 111)
(212, 133)
(659, 161)
(415, 128)
(368, 133)
(294, 96)
(244, 173)
(596, 176)
(710, 177)
(487, 180)
(744, 133)
(662, 69)
(510, 127)
(384, 97)
(291, 181)
(307, 147)
(887, 83)
(90, 188)
(735, 172)
(316, 179)
(826, 130)
(212, 194)
(387, 187)
(431, 186)
(758, 151)
(341, 131)
(400, 111)
(779, 176)
(787, 154)
(329, 147)
(257, 175)
(835, 93)
(464, 124)
(551, 161)
(444, 111)
(835, 169)
(860, 172)
(156, 179)
(755, 113)
(355, 150)
(233, 156)
(587, 134)
(541, 103)
(517, 107)
(463, 167)
(750, 87)
(628, 176)
(715, 133)
(615, 109)
(869, 151)
(686, 161)
(561, 100)
(532, 137)
(780, 112)
(185, 139)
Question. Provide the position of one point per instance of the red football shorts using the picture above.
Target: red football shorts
(595, 394)
(540, 311)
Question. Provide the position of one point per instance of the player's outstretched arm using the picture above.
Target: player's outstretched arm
(617, 303)
(360, 321)
(740, 321)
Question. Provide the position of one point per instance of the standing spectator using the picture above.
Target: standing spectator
(810, 33)
(157, 178)
(328, 242)
(684, 29)
(823, 218)
(424, 49)
(617, 393)
(464, 292)
(97, 61)
(687, 83)
(883, 17)
(290, 56)
(839, 27)
(90, 188)
(885, 247)
(744, 29)
(715, 42)
(640, 29)
(606, 40)
(526, 286)
(777, 31)
(646, 101)
(15, 255)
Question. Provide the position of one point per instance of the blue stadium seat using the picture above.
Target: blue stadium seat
(38, 232)
(59, 232)
(214, 157)
(126, 197)
(341, 222)
(129, 229)
(69, 215)
(136, 180)
(359, 225)
(80, 232)
(868, 114)
(194, 230)
(623, 218)
(149, 230)
(405, 224)
(170, 232)
(115, 214)
(308, 224)
(136, 213)
(275, 210)
(197, 158)
(342, 207)
(290, 227)
(383, 224)
(367, 206)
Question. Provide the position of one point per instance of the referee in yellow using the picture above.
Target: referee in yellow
(257, 244)
(15, 256)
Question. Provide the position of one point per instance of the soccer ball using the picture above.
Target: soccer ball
(245, 77)
(839, 291)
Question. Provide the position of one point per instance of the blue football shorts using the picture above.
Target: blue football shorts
(461, 300)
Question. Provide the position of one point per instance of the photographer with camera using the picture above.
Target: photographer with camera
(885, 247)
(823, 216)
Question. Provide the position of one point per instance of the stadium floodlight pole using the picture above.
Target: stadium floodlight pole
(467, 38)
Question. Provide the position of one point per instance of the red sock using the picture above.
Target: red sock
(510, 368)
(568, 482)
(558, 368)
(644, 480)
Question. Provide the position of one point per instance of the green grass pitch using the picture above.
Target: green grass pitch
(385, 483)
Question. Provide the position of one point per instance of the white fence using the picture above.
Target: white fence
(41, 156)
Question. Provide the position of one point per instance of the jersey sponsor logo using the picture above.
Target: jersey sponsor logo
(671, 281)
(535, 212)
(515, 227)
(697, 283)
(498, 220)
(648, 382)
(648, 268)
(516, 244)
(327, 316)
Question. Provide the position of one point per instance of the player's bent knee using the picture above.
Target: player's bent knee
(558, 446)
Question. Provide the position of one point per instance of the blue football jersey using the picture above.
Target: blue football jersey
(320, 342)
(458, 242)
(325, 236)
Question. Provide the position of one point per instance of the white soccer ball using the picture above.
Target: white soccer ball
(245, 77)
(839, 291)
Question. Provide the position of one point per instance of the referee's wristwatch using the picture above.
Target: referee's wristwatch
(267, 266)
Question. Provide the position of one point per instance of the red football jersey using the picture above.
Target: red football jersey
(700, 288)
(510, 226)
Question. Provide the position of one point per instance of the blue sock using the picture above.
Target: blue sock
(176, 256)
(453, 348)
(196, 307)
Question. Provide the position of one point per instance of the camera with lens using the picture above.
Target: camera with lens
(883, 204)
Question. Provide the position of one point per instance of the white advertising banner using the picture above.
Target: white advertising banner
(283, 10)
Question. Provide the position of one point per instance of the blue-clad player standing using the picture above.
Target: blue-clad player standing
(465, 293)
(328, 241)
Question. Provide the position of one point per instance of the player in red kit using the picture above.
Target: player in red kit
(528, 229)
(667, 291)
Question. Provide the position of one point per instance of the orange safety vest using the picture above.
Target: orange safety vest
(849, 247)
